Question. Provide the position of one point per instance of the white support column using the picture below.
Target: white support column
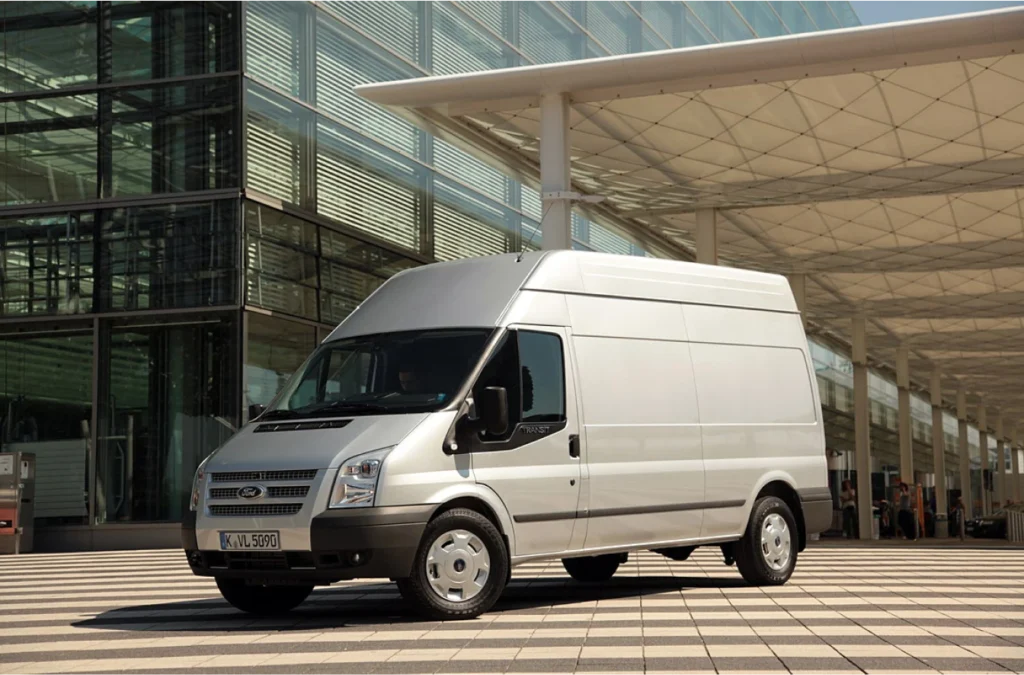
(1014, 492)
(555, 171)
(862, 427)
(999, 469)
(707, 236)
(798, 282)
(939, 458)
(963, 447)
(904, 427)
(986, 495)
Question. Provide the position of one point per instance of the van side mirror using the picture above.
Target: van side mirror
(256, 409)
(493, 410)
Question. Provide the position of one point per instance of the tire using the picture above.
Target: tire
(772, 564)
(592, 570)
(679, 553)
(456, 541)
(262, 600)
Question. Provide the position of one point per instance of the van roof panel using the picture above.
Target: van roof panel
(476, 292)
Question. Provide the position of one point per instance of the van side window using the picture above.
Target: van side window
(543, 377)
(502, 370)
(530, 366)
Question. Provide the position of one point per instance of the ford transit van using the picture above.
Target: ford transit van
(474, 415)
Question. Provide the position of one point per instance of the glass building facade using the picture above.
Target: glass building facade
(192, 196)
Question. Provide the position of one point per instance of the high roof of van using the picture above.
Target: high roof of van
(476, 292)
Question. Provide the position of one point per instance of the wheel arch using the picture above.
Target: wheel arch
(484, 501)
(781, 486)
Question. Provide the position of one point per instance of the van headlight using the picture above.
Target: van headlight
(197, 485)
(356, 483)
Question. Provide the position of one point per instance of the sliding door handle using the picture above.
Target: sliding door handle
(574, 445)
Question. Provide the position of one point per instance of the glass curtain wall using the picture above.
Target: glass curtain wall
(120, 250)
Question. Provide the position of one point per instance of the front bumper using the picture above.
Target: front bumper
(358, 543)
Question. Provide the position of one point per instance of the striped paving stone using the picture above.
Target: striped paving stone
(845, 610)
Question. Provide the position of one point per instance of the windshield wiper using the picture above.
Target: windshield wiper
(338, 406)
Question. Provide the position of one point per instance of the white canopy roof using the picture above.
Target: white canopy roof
(884, 162)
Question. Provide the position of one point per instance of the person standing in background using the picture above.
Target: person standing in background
(905, 514)
(848, 504)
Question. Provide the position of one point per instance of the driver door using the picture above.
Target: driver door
(535, 466)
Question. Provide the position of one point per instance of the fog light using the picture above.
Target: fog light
(357, 558)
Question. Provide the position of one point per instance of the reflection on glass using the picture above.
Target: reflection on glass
(173, 139)
(48, 45)
(47, 264)
(169, 398)
(275, 349)
(158, 257)
(50, 150)
(391, 373)
(152, 40)
(46, 409)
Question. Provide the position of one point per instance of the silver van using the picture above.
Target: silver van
(474, 415)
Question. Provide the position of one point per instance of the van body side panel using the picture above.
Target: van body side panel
(537, 308)
(643, 445)
(759, 414)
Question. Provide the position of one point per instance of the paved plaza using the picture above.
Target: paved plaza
(845, 610)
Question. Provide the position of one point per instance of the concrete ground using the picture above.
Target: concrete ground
(846, 609)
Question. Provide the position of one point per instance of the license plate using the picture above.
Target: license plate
(250, 541)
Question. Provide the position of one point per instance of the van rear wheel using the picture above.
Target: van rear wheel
(460, 569)
(593, 570)
(262, 600)
(766, 555)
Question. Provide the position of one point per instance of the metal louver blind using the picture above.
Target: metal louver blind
(603, 239)
(531, 204)
(459, 46)
(490, 14)
(457, 234)
(609, 22)
(272, 49)
(274, 151)
(469, 170)
(366, 189)
(541, 37)
(341, 64)
(395, 25)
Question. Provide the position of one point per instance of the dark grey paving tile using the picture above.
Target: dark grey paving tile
(542, 666)
(962, 665)
(888, 663)
(820, 665)
(749, 663)
(630, 641)
(679, 664)
(609, 665)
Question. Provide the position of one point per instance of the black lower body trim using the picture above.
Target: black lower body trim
(817, 506)
(344, 544)
(627, 511)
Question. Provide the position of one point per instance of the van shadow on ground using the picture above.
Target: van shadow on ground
(374, 604)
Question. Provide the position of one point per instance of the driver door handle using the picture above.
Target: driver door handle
(574, 445)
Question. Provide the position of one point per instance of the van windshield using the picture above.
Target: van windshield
(389, 373)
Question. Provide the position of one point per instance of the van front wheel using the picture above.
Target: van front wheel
(592, 570)
(766, 555)
(262, 600)
(460, 568)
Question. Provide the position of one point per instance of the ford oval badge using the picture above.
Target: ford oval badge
(251, 492)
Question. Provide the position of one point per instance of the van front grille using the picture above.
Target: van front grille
(241, 476)
(274, 492)
(255, 509)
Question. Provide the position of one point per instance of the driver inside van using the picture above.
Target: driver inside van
(409, 380)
